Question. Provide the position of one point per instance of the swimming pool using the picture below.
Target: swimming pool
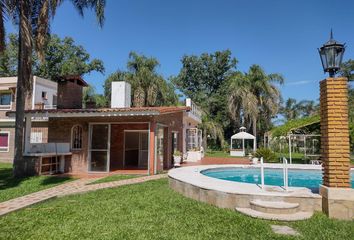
(297, 178)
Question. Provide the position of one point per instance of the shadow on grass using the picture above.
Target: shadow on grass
(7, 180)
(54, 180)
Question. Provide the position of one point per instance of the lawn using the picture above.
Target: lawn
(150, 210)
(220, 154)
(116, 177)
(12, 188)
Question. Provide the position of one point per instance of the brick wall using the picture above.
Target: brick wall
(335, 132)
(117, 142)
(69, 95)
(60, 131)
(173, 123)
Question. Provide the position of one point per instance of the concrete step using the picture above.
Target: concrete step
(278, 217)
(276, 207)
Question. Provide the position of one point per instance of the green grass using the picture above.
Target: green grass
(150, 210)
(116, 177)
(296, 157)
(12, 188)
(220, 154)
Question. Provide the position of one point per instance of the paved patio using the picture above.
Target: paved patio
(217, 160)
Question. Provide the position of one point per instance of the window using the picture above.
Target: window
(44, 95)
(4, 141)
(5, 99)
(175, 141)
(76, 137)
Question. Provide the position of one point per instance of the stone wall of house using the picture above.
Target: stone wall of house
(335, 132)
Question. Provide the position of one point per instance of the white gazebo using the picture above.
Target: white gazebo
(241, 136)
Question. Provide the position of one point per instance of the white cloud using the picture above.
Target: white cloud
(299, 82)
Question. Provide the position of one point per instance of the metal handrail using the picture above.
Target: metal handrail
(285, 172)
(262, 173)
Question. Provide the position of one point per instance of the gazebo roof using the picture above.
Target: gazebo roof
(243, 135)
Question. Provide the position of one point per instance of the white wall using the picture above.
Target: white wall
(43, 85)
(120, 95)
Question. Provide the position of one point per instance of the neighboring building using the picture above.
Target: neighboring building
(108, 139)
(43, 96)
(192, 143)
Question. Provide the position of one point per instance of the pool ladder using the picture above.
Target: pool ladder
(285, 173)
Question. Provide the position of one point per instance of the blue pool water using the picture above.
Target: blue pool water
(297, 178)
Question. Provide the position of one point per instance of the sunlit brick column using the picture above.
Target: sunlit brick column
(152, 148)
(335, 132)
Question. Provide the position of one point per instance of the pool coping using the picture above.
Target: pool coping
(192, 175)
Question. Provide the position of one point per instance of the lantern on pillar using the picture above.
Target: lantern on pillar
(331, 54)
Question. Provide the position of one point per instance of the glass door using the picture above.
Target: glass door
(143, 150)
(99, 147)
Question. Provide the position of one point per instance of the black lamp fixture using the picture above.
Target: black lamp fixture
(331, 54)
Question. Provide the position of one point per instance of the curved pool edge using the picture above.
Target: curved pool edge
(227, 194)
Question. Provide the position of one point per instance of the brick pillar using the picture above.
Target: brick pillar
(335, 132)
(152, 148)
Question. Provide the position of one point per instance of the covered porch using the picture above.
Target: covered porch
(103, 141)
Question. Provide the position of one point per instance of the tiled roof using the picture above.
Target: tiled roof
(76, 78)
(135, 110)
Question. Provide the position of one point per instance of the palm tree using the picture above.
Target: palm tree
(254, 95)
(146, 82)
(33, 18)
(308, 107)
(291, 109)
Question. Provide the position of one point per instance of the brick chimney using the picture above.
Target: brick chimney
(70, 92)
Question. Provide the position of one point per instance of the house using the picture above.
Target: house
(44, 95)
(102, 140)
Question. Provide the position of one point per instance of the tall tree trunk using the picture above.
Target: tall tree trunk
(2, 31)
(23, 84)
(254, 126)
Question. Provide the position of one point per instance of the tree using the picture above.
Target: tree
(255, 95)
(148, 87)
(308, 108)
(62, 57)
(347, 69)
(33, 19)
(204, 79)
(291, 109)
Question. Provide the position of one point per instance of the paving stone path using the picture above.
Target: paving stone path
(74, 187)
(284, 230)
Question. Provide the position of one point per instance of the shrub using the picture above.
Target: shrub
(267, 154)
(177, 153)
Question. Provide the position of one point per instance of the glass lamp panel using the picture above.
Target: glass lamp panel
(340, 52)
(323, 59)
(331, 57)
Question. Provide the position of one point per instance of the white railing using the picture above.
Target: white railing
(262, 173)
(195, 111)
(285, 173)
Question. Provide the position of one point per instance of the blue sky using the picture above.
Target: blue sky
(281, 36)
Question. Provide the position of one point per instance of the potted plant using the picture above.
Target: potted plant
(177, 157)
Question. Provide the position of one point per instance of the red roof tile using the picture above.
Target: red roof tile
(158, 110)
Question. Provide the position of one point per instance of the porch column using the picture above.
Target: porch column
(337, 195)
(152, 148)
(28, 134)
